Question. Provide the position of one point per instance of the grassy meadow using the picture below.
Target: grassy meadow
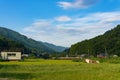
(58, 70)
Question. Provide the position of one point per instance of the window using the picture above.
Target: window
(11, 54)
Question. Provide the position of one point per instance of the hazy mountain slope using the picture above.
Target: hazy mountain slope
(54, 47)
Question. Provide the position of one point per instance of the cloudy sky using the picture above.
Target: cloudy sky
(61, 22)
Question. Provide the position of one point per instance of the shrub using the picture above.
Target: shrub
(114, 60)
(77, 60)
(1, 59)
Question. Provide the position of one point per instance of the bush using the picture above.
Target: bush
(77, 60)
(102, 60)
(1, 59)
(45, 56)
(114, 60)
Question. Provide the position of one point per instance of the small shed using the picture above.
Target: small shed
(12, 56)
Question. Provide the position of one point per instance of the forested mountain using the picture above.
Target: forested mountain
(109, 42)
(29, 43)
(10, 45)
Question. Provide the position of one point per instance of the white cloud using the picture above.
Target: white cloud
(41, 25)
(63, 19)
(79, 28)
(77, 4)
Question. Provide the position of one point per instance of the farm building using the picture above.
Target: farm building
(11, 56)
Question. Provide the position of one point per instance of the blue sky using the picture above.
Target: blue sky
(61, 22)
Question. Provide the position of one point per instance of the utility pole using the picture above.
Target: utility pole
(88, 53)
(106, 53)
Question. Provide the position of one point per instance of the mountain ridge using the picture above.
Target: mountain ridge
(28, 42)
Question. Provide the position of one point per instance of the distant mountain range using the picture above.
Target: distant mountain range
(54, 47)
(28, 42)
(108, 43)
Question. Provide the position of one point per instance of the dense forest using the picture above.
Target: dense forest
(108, 43)
(10, 45)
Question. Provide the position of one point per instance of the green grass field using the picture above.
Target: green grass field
(58, 70)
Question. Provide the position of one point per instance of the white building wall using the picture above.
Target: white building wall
(5, 55)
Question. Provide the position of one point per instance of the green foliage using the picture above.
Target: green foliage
(1, 59)
(113, 60)
(77, 60)
(7, 44)
(46, 56)
(31, 56)
(21, 76)
(109, 41)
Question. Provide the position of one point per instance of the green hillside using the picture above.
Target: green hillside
(108, 42)
(28, 42)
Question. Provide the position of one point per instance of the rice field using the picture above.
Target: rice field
(58, 70)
